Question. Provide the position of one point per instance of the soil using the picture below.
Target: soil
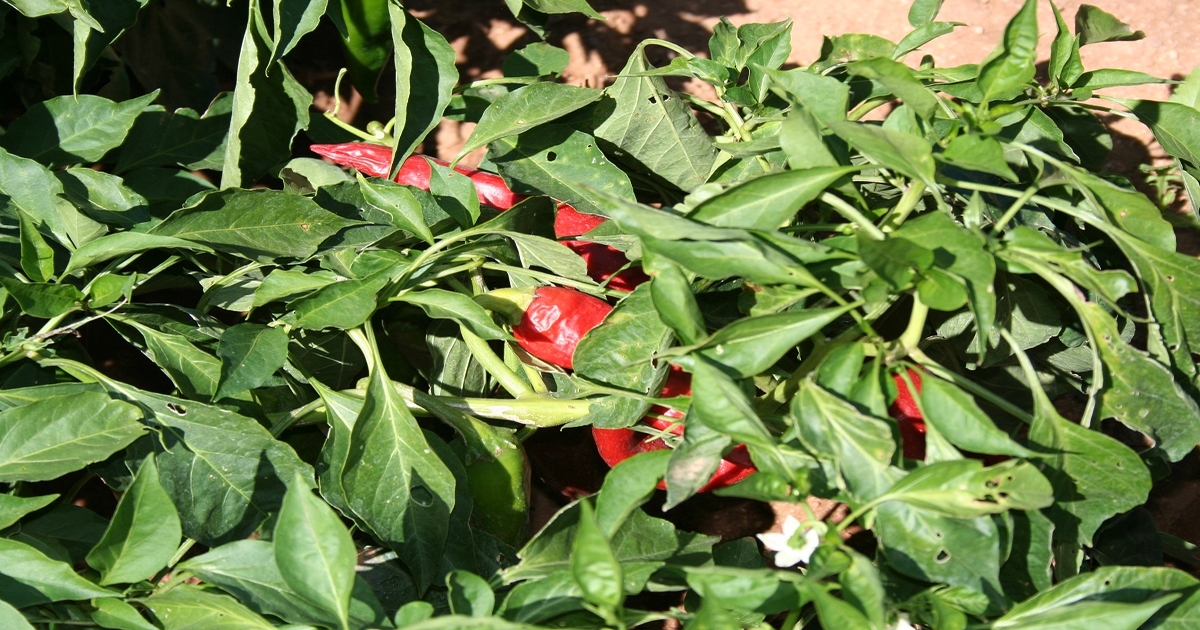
(484, 32)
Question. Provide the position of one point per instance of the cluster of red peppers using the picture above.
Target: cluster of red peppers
(554, 319)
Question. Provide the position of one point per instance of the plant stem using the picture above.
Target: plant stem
(559, 280)
(1015, 208)
(912, 335)
(494, 365)
(907, 204)
(853, 215)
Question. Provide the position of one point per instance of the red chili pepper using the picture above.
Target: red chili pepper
(602, 260)
(617, 445)
(548, 321)
(908, 415)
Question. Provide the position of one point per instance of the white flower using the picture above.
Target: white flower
(783, 544)
(902, 623)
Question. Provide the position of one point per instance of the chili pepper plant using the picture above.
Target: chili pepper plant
(261, 367)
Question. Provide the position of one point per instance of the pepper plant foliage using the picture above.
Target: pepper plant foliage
(328, 431)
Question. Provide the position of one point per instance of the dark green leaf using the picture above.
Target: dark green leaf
(117, 613)
(525, 108)
(901, 152)
(425, 76)
(1094, 25)
(125, 243)
(28, 577)
(442, 304)
(978, 153)
(594, 565)
(34, 190)
(858, 446)
(653, 128)
(258, 224)
(767, 202)
(470, 594)
(293, 19)
(954, 413)
(314, 551)
(1010, 68)
(538, 59)
(620, 351)
(269, 107)
(59, 434)
(1065, 65)
(161, 138)
(194, 371)
(143, 534)
(1175, 126)
(37, 257)
(553, 161)
(928, 546)
(344, 304)
(250, 354)
(824, 97)
(73, 129)
(248, 570)
(1113, 77)
(397, 202)
(627, 486)
(396, 486)
(900, 80)
(676, 305)
(14, 508)
(43, 300)
(188, 607)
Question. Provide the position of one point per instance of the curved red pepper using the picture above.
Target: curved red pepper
(908, 415)
(617, 445)
(554, 322)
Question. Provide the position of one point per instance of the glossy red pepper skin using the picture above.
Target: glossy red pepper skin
(603, 261)
(617, 445)
(554, 322)
(907, 414)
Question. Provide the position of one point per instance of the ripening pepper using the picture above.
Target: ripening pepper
(617, 445)
(908, 416)
(548, 322)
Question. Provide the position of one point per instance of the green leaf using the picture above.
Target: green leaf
(1065, 65)
(767, 202)
(674, 301)
(923, 11)
(470, 594)
(188, 607)
(900, 80)
(124, 243)
(293, 19)
(978, 153)
(1094, 476)
(895, 259)
(1175, 126)
(751, 345)
(554, 161)
(620, 351)
(43, 300)
(314, 551)
(1141, 392)
(653, 128)
(223, 471)
(60, 434)
(442, 304)
(1110, 596)
(627, 486)
(161, 138)
(397, 202)
(922, 35)
(32, 189)
(955, 415)
(29, 577)
(143, 534)
(902, 152)
(343, 304)
(1093, 25)
(269, 108)
(594, 565)
(536, 251)
(285, 284)
(250, 354)
(564, 6)
(925, 545)
(116, 613)
(824, 97)
(1010, 68)
(247, 569)
(14, 508)
(73, 129)
(1113, 77)
(107, 21)
(538, 59)
(455, 193)
(856, 445)
(963, 488)
(425, 77)
(37, 258)
(195, 372)
(395, 484)
(526, 108)
(259, 224)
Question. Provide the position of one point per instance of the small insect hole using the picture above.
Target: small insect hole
(943, 557)
(653, 100)
(551, 156)
(178, 409)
